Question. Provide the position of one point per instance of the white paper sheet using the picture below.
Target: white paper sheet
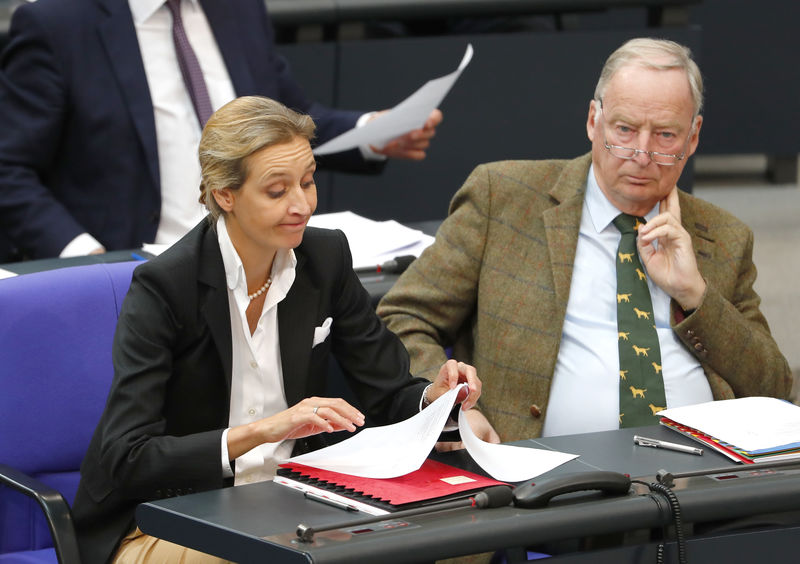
(751, 423)
(374, 242)
(408, 115)
(6, 274)
(388, 451)
(509, 463)
(395, 450)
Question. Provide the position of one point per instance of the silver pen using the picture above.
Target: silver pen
(655, 443)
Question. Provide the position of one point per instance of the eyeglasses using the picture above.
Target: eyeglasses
(628, 153)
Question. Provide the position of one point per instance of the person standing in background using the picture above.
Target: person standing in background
(101, 117)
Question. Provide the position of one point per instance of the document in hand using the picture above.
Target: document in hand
(402, 448)
(747, 430)
(406, 116)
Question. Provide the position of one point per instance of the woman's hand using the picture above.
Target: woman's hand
(310, 416)
(452, 374)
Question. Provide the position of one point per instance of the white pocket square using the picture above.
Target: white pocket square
(321, 333)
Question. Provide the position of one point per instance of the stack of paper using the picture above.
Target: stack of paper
(433, 481)
(378, 463)
(374, 242)
(746, 430)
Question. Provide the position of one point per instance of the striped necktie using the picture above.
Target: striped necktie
(190, 67)
(641, 385)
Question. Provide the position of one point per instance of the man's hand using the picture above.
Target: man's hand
(673, 266)
(412, 145)
(452, 374)
(479, 425)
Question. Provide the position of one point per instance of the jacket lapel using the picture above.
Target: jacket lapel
(562, 224)
(118, 36)
(703, 237)
(296, 322)
(213, 298)
(228, 33)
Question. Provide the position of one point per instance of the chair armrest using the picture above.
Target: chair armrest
(55, 508)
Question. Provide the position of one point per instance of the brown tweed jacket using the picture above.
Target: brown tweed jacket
(495, 285)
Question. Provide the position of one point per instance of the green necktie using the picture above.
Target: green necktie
(641, 386)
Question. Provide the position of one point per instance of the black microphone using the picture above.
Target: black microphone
(395, 266)
(494, 496)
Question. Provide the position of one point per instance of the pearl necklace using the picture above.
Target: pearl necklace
(261, 290)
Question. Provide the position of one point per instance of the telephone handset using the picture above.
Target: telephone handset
(537, 494)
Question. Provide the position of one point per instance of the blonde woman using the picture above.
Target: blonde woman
(223, 343)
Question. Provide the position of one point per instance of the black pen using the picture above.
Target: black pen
(329, 501)
(655, 443)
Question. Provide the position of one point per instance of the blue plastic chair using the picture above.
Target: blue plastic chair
(56, 330)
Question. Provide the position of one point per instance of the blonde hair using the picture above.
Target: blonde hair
(237, 130)
(659, 54)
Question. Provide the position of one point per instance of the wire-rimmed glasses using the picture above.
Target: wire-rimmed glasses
(628, 153)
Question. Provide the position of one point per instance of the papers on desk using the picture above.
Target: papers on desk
(747, 430)
(408, 115)
(374, 242)
(433, 482)
(401, 448)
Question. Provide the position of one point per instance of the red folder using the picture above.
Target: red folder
(432, 481)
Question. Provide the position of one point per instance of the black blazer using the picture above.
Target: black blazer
(78, 140)
(161, 431)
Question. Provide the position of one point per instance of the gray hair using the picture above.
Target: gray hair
(658, 54)
(237, 130)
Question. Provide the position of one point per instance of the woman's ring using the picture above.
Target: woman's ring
(314, 411)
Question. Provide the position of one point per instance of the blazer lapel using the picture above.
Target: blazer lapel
(213, 292)
(118, 37)
(562, 224)
(703, 238)
(228, 33)
(296, 322)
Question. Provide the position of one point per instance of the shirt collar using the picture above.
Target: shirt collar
(143, 9)
(282, 268)
(601, 211)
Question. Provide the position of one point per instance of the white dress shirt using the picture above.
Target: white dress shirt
(257, 373)
(584, 393)
(177, 128)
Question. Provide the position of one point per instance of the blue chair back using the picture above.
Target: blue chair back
(56, 331)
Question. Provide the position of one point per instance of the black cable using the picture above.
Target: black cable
(675, 507)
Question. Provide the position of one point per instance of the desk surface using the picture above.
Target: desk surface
(258, 522)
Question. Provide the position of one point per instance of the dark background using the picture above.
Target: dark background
(526, 93)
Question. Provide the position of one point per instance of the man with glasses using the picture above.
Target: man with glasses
(522, 279)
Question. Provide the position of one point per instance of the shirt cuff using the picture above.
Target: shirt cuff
(452, 423)
(227, 471)
(366, 152)
(423, 400)
(81, 245)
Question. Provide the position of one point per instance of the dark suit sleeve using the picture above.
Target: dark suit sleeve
(373, 359)
(33, 100)
(161, 430)
(330, 122)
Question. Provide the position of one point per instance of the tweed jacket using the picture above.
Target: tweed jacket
(495, 286)
(161, 432)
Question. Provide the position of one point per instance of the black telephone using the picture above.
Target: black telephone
(536, 494)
